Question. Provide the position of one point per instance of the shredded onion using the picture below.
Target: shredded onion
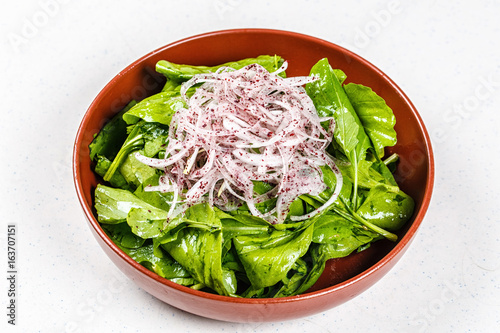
(242, 126)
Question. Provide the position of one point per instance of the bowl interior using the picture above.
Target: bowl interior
(415, 171)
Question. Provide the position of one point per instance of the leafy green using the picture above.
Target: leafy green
(153, 133)
(102, 165)
(113, 205)
(344, 236)
(158, 108)
(369, 174)
(164, 266)
(143, 252)
(179, 72)
(386, 208)
(122, 235)
(331, 100)
(107, 142)
(158, 199)
(134, 172)
(242, 224)
(377, 118)
(268, 258)
(147, 222)
(199, 250)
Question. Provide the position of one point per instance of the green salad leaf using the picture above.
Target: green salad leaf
(109, 139)
(144, 135)
(331, 100)
(198, 248)
(377, 118)
(386, 208)
(267, 258)
(179, 72)
(158, 108)
(113, 205)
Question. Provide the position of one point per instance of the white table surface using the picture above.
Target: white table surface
(55, 57)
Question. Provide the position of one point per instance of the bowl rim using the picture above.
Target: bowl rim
(394, 252)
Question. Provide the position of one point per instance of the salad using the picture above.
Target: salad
(241, 181)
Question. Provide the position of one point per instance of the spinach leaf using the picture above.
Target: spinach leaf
(109, 139)
(306, 272)
(158, 108)
(134, 172)
(337, 243)
(156, 198)
(172, 86)
(386, 208)
(102, 165)
(383, 169)
(341, 76)
(369, 174)
(330, 181)
(243, 224)
(316, 265)
(330, 100)
(140, 133)
(113, 205)
(164, 266)
(122, 235)
(148, 223)
(268, 258)
(231, 261)
(390, 163)
(375, 115)
(343, 235)
(294, 279)
(302, 275)
(200, 250)
(179, 72)
(341, 208)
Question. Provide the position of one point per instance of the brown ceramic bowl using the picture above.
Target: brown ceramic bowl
(343, 278)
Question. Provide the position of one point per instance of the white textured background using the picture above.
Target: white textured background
(56, 55)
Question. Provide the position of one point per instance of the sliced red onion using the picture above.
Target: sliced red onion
(242, 126)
